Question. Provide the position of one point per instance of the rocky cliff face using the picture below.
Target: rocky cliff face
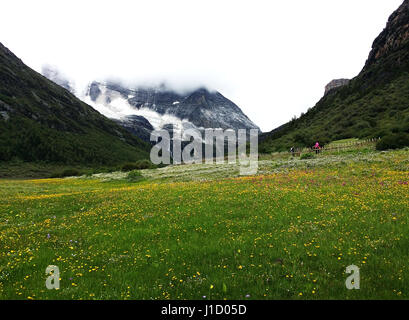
(389, 50)
(393, 37)
(337, 83)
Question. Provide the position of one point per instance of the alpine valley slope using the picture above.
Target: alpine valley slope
(41, 121)
(373, 104)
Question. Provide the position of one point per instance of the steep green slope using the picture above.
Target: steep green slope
(374, 104)
(41, 121)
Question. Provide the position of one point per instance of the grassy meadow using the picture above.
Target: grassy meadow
(204, 232)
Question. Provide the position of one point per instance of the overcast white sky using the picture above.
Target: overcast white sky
(272, 58)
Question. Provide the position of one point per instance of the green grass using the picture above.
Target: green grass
(343, 141)
(288, 233)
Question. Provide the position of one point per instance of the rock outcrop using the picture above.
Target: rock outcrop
(137, 125)
(337, 83)
(393, 37)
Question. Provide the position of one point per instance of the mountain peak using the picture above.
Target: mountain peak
(201, 107)
(393, 37)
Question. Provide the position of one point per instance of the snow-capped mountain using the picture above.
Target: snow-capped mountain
(164, 108)
(141, 110)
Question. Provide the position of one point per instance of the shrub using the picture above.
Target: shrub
(138, 165)
(67, 173)
(129, 167)
(144, 164)
(305, 156)
(134, 176)
(89, 172)
(393, 141)
(107, 169)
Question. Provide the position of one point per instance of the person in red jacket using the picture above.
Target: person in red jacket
(317, 148)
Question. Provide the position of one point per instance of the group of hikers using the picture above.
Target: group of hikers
(316, 148)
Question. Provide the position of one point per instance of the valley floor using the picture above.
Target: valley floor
(204, 232)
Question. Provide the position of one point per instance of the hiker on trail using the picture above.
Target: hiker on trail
(292, 150)
(317, 148)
